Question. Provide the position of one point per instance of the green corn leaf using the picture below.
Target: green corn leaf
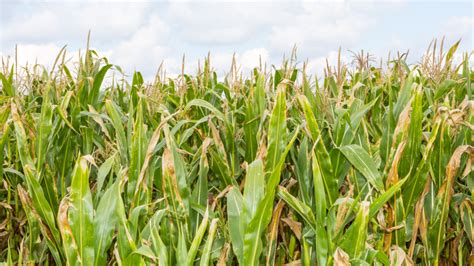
(439, 215)
(98, 79)
(176, 171)
(467, 217)
(105, 222)
(199, 194)
(151, 232)
(235, 214)
(102, 173)
(137, 151)
(206, 105)
(194, 169)
(206, 253)
(322, 239)
(7, 83)
(354, 239)
(330, 181)
(80, 214)
(383, 198)
(4, 136)
(21, 139)
(193, 249)
(302, 172)
(301, 208)
(415, 184)
(36, 221)
(71, 249)
(44, 129)
(361, 160)
(277, 135)
(254, 189)
(114, 113)
(412, 154)
(253, 231)
(403, 97)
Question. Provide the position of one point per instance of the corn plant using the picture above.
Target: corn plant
(362, 165)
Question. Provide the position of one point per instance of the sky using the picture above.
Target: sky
(140, 35)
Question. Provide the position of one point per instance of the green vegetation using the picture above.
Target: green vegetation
(365, 165)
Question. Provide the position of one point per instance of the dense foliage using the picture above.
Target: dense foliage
(366, 165)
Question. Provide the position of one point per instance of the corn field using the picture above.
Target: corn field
(365, 165)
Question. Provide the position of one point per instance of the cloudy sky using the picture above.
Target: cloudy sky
(139, 35)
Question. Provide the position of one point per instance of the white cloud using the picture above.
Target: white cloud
(313, 26)
(68, 22)
(43, 54)
(221, 62)
(456, 27)
(320, 25)
(245, 61)
(19, 28)
(216, 23)
(145, 49)
(251, 58)
(317, 65)
(142, 34)
(28, 55)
